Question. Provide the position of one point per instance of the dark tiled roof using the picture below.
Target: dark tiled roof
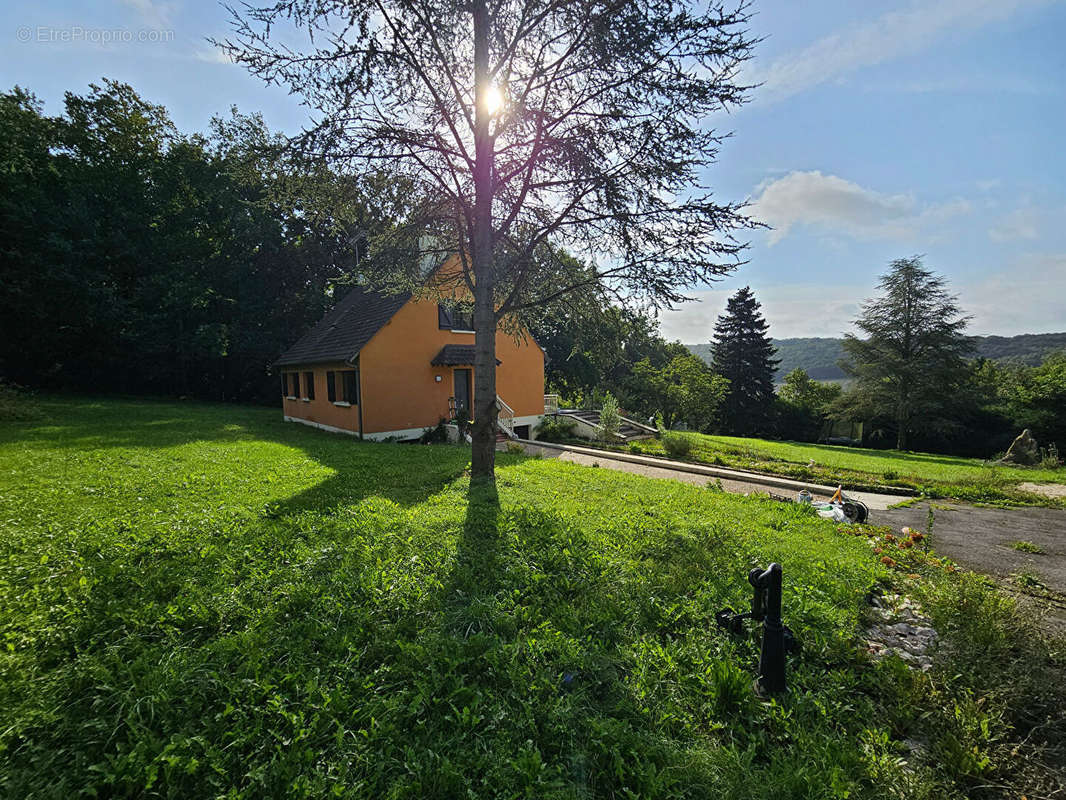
(345, 330)
(455, 355)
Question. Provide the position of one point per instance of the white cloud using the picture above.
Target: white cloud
(1023, 223)
(154, 13)
(839, 206)
(890, 36)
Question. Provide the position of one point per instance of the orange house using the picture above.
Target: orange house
(383, 366)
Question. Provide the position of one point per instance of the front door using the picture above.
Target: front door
(462, 392)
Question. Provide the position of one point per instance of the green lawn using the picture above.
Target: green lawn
(203, 601)
(937, 475)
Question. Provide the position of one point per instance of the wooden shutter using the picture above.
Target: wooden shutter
(351, 386)
(309, 385)
(331, 386)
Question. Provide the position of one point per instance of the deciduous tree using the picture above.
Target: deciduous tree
(804, 405)
(685, 390)
(525, 126)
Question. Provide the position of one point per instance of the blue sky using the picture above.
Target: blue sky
(881, 130)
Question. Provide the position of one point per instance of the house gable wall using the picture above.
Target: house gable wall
(400, 387)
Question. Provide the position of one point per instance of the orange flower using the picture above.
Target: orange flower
(889, 537)
(917, 536)
(914, 576)
(906, 543)
(888, 562)
(877, 550)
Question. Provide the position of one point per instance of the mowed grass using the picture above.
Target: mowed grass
(203, 601)
(937, 475)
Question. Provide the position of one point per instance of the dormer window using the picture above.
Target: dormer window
(451, 317)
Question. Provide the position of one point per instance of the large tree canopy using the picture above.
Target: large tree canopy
(525, 126)
(913, 359)
(136, 259)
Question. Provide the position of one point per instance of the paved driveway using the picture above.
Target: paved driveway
(980, 539)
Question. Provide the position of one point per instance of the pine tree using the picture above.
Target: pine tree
(744, 354)
(913, 359)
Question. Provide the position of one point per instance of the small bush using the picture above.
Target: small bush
(436, 435)
(635, 448)
(515, 447)
(677, 445)
(610, 419)
(1049, 457)
(556, 429)
(890, 475)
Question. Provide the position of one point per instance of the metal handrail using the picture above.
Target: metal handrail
(505, 421)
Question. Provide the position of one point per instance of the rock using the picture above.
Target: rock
(901, 629)
(1023, 450)
(914, 647)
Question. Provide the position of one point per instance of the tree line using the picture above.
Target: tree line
(916, 382)
(137, 259)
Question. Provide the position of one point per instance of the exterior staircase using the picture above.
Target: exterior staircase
(628, 430)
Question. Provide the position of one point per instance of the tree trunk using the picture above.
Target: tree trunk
(483, 433)
(903, 419)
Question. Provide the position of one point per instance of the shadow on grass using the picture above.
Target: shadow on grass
(475, 577)
(410, 475)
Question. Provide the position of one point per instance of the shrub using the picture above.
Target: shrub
(677, 445)
(437, 435)
(556, 429)
(515, 447)
(610, 419)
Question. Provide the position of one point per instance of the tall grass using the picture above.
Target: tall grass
(203, 601)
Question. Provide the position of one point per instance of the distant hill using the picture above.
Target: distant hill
(819, 356)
